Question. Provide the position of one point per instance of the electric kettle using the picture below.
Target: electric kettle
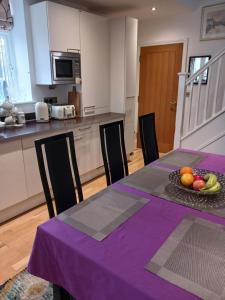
(41, 112)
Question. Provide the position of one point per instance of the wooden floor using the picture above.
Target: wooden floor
(17, 235)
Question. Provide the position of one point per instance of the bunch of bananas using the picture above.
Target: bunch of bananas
(212, 185)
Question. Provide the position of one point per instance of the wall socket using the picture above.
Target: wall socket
(50, 100)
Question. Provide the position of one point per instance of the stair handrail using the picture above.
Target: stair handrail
(203, 68)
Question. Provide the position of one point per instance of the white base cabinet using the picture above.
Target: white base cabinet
(12, 179)
(87, 149)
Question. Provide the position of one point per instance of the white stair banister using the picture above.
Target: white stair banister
(180, 109)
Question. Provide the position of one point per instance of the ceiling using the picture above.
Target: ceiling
(134, 8)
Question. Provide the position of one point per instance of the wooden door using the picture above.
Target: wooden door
(158, 86)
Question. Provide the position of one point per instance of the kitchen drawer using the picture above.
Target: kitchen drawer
(28, 142)
(85, 129)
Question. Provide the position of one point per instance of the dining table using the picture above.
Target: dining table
(112, 264)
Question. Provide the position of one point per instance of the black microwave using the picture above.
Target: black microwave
(66, 67)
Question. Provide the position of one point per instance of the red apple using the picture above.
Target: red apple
(198, 184)
(198, 177)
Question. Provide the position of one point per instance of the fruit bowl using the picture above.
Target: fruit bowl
(174, 178)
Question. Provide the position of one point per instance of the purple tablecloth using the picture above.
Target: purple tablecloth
(114, 268)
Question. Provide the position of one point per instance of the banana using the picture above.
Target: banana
(215, 188)
(210, 179)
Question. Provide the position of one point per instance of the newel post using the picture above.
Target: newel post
(180, 109)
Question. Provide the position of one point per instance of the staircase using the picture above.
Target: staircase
(200, 118)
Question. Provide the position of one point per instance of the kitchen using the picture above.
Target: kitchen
(104, 53)
(99, 197)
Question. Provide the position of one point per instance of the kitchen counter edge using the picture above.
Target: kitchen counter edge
(33, 128)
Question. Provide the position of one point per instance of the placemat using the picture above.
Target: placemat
(177, 159)
(152, 180)
(193, 258)
(102, 213)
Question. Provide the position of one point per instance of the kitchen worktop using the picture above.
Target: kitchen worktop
(32, 128)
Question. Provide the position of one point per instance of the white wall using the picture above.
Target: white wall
(179, 27)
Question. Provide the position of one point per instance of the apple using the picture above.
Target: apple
(198, 177)
(198, 184)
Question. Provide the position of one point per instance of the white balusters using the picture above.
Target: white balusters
(180, 109)
(197, 104)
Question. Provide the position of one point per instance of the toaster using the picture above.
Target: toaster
(63, 112)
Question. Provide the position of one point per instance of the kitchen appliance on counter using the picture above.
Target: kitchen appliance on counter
(63, 112)
(41, 112)
(65, 67)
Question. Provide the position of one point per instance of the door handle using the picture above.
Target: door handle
(173, 102)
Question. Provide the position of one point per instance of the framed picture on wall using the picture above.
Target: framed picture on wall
(213, 22)
(195, 63)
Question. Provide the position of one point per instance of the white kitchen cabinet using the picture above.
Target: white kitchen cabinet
(95, 69)
(123, 71)
(32, 174)
(63, 27)
(87, 149)
(33, 180)
(12, 183)
(55, 27)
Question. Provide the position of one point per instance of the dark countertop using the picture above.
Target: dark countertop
(32, 128)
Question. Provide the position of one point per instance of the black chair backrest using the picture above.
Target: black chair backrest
(56, 154)
(113, 151)
(148, 138)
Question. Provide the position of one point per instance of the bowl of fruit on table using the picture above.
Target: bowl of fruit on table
(198, 181)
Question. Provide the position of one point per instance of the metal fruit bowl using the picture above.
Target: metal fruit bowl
(174, 178)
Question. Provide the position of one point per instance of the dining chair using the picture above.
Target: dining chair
(113, 151)
(58, 170)
(148, 138)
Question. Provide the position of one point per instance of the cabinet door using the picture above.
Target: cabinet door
(94, 60)
(12, 183)
(87, 151)
(129, 136)
(131, 56)
(32, 174)
(63, 26)
(33, 180)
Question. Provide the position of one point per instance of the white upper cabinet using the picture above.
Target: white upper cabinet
(131, 33)
(63, 27)
(95, 69)
(123, 61)
(55, 27)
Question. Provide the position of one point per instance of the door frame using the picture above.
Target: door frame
(160, 43)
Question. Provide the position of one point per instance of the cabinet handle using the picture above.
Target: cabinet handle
(72, 50)
(78, 139)
(84, 128)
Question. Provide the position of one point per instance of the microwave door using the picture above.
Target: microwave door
(62, 70)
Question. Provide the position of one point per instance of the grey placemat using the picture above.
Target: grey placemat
(193, 258)
(178, 159)
(152, 180)
(102, 213)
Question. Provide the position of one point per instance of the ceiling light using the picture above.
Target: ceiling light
(154, 8)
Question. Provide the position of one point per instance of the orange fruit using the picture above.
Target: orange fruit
(187, 179)
(186, 170)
